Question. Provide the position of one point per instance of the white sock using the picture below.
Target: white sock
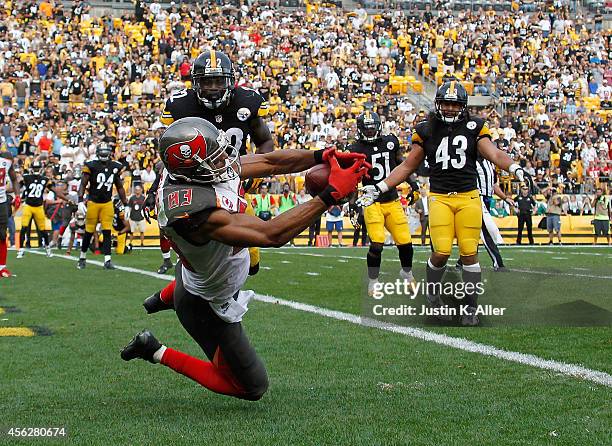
(107, 258)
(157, 356)
(83, 255)
(475, 268)
(166, 255)
(2, 267)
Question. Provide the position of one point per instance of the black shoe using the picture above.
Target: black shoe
(500, 269)
(165, 267)
(143, 345)
(81, 264)
(153, 304)
(109, 265)
(471, 319)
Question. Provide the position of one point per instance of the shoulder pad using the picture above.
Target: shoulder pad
(251, 99)
(421, 132)
(180, 201)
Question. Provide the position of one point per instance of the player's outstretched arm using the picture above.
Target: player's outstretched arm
(262, 136)
(500, 158)
(397, 176)
(290, 161)
(247, 230)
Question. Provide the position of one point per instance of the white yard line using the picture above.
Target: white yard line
(572, 370)
(524, 271)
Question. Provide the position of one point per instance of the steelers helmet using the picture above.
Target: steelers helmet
(36, 167)
(213, 79)
(193, 150)
(103, 152)
(369, 126)
(455, 93)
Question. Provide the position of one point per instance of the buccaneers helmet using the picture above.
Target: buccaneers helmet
(194, 151)
(369, 126)
(454, 93)
(103, 152)
(213, 79)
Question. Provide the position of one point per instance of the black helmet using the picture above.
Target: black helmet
(454, 92)
(36, 167)
(213, 79)
(195, 151)
(103, 152)
(369, 126)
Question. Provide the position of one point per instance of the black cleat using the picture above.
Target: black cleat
(142, 346)
(109, 265)
(82, 263)
(471, 319)
(153, 304)
(165, 266)
(500, 269)
(434, 302)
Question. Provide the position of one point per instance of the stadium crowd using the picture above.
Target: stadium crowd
(71, 81)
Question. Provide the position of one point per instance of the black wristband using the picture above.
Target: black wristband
(318, 156)
(326, 196)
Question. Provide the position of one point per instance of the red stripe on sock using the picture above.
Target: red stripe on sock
(167, 294)
(164, 244)
(207, 374)
(3, 251)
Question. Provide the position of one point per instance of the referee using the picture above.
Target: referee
(489, 233)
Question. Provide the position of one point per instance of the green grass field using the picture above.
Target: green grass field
(332, 382)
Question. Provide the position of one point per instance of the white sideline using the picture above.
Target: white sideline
(572, 370)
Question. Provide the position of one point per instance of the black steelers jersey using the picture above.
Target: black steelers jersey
(102, 177)
(34, 186)
(118, 216)
(451, 153)
(235, 119)
(382, 154)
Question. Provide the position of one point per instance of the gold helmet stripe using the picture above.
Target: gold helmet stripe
(451, 89)
(213, 59)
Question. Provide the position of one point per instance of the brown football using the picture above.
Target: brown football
(316, 179)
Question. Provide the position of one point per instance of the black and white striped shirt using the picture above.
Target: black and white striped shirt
(486, 176)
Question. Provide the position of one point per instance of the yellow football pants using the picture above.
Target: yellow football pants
(35, 212)
(388, 215)
(99, 212)
(456, 215)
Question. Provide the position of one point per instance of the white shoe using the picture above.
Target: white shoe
(49, 253)
(372, 284)
(20, 253)
(407, 276)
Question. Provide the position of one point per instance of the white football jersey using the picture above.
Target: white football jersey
(5, 165)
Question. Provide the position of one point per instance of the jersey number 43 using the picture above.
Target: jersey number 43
(458, 148)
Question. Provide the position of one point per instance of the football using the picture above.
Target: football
(316, 179)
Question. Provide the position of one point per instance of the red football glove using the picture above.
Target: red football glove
(341, 181)
(17, 202)
(345, 159)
